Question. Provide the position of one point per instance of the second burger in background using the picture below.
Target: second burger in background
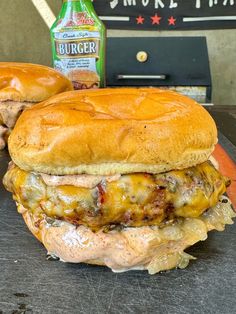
(23, 85)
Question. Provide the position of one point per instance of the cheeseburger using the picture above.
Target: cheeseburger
(84, 79)
(118, 177)
(23, 85)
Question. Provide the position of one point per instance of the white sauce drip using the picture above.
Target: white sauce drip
(73, 238)
(84, 180)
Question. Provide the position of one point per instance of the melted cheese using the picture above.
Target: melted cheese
(130, 200)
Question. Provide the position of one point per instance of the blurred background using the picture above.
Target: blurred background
(24, 37)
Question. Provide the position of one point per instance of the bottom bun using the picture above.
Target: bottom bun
(152, 248)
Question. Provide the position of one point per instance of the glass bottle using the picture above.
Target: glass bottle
(78, 44)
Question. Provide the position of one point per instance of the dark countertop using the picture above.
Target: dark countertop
(32, 284)
(225, 117)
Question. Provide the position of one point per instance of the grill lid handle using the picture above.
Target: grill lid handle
(141, 77)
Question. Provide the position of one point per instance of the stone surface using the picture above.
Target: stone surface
(225, 118)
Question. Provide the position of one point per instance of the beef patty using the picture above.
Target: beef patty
(133, 200)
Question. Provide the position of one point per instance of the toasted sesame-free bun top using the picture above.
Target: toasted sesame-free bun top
(109, 131)
(30, 82)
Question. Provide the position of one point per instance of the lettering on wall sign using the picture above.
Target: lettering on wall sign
(167, 14)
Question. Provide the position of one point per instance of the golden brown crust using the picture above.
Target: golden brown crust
(30, 82)
(113, 131)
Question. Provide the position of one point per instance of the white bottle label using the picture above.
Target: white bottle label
(77, 53)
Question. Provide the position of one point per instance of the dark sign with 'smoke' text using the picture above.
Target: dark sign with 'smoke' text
(167, 14)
